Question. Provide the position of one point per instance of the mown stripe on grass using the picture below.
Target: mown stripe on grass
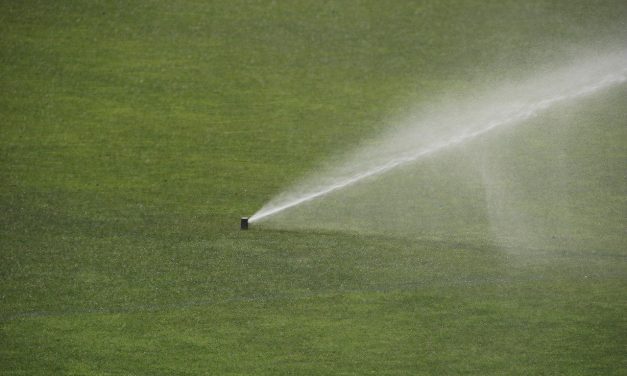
(373, 288)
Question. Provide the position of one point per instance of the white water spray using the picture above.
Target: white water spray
(426, 135)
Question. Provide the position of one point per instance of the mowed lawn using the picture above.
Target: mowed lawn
(134, 134)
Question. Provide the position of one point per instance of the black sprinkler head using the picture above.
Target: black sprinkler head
(244, 223)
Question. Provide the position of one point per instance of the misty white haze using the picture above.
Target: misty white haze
(426, 134)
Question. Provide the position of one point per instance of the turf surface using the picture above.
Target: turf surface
(135, 134)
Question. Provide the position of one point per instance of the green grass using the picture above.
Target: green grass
(135, 134)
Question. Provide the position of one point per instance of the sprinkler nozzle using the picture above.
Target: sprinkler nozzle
(244, 223)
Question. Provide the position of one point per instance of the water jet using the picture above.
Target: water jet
(453, 124)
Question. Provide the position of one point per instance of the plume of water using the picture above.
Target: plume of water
(426, 133)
